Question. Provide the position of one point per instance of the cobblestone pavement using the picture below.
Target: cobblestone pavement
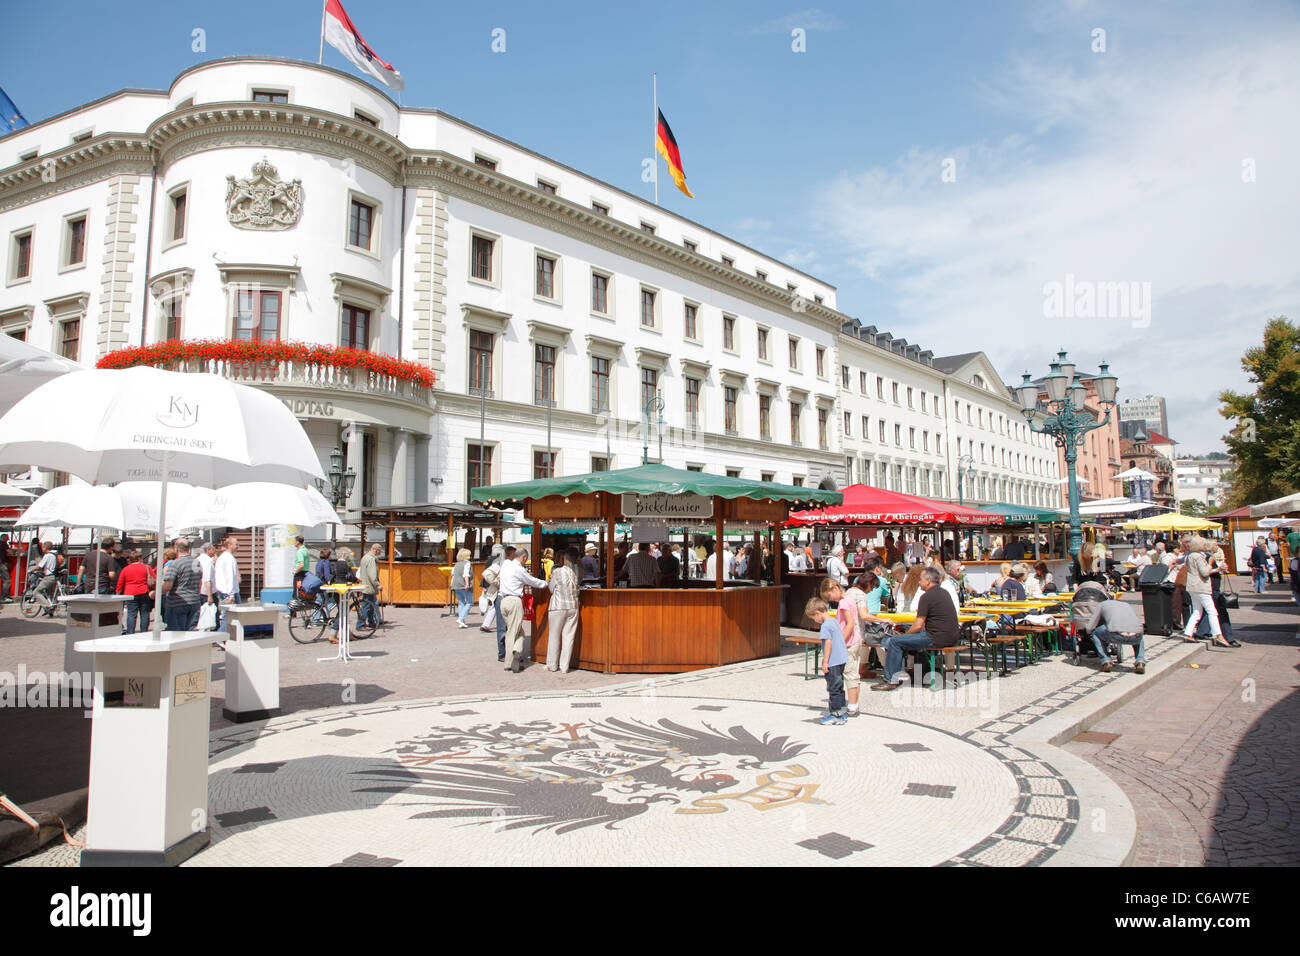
(720, 766)
(1210, 758)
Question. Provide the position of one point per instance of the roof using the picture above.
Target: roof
(649, 480)
(1019, 514)
(1242, 512)
(1155, 438)
(950, 363)
(435, 514)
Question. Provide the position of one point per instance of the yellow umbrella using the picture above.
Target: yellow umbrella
(1170, 522)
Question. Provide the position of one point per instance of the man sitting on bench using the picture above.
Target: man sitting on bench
(935, 626)
(1117, 623)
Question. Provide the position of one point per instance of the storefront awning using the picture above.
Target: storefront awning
(864, 504)
(1019, 514)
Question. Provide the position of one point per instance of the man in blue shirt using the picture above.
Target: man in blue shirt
(834, 656)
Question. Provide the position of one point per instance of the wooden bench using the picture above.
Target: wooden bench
(942, 654)
(813, 644)
(1030, 630)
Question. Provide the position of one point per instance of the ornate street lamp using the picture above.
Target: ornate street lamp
(965, 466)
(1064, 416)
(340, 487)
(657, 405)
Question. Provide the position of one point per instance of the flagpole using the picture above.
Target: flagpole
(320, 57)
(654, 143)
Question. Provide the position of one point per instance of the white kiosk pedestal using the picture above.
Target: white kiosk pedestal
(90, 617)
(148, 800)
(253, 662)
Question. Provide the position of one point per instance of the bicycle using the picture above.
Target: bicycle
(308, 620)
(33, 602)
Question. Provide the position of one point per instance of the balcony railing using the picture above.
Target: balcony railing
(306, 374)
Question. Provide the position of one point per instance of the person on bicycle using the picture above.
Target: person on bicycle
(45, 577)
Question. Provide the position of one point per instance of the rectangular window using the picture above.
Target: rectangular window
(489, 164)
(866, 428)
(765, 417)
(546, 187)
(923, 402)
(360, 223)
(796, 423)
(172, 314)
(881, 429)
(179, 201)
(797, 481)
(646, 227)
(70, 339)
(794, 353)
(762, 344)
(269, 96)
(545, 286)
(543, 375)
(356, 328)
(760, 275)
(909, 397)
(76, 247)
(911, 438)
(369, 461)
(936, 406)
(693, 402)
(478, 468)
(690, 245)
(898, 435)
(729, 333)
(599, 384)
(649, 386)
(21, 257)
(728, 261)
(844, 376)
(600, 293)
(823, 428)
(925, 441)
(767, 476)
(600, 208)
(729, 421)
(894, 386)
(689, 313)
(647, 308)
(543, 465)
(848, 424)
(821, 362)
(599, 463)
(480, 362)
(481, 258)
(257, 316)
(733, 472)
(363, 118)
(880, 388)
(862, 382)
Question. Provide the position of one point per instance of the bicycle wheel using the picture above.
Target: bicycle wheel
(307, 625)
(30, 605)
(358, 626)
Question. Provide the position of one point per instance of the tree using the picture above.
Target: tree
(1193, 508)
(1265, 436)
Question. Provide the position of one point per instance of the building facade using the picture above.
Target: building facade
(570, 326)
(1149, 410)
(1202, 480)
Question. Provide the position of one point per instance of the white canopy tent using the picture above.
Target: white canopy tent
(1278, 506)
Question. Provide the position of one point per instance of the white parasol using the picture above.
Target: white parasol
(109, 425)
(129, 506)
(23, 367)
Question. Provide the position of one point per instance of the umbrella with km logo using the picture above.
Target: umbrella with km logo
(146, 424)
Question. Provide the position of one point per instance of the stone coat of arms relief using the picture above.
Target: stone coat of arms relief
(263, 201)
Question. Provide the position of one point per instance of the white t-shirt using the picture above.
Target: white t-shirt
(226, 575)
(728, 567)
(948, 585)
(205, 568)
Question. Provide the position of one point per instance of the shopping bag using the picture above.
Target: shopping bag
(207, 618)
(528, 607)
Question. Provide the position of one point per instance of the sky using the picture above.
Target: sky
(1121, 180)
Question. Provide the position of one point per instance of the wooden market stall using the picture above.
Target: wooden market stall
(425, 536)
(696, 623)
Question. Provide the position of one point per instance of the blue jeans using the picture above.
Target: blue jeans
(370, 609)
(501, 629)
(835, 689)
(137, 609)
(462, 603)
(1260, 576)
(221, 611)
(899, 644)
(181, 617)
(1102, 635)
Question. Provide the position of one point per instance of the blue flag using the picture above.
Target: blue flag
(10, 118)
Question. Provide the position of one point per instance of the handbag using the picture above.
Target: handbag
(207, 618)
(1230, 599)
(527, 600)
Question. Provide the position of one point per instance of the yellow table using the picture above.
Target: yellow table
(341, 590)
(908, 617)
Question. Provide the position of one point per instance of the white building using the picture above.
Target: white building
(261, 199)
(1203, 480)
(1149, 410)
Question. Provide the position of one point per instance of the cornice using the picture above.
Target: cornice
(241, 123)
(84, 163)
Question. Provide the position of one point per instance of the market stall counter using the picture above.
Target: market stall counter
(698, 622)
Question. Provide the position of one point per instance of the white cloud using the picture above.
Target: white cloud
(808, 20)
(1127, 168)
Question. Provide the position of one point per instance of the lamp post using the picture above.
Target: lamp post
(656, 403)
(965, 466)
(1065, 418)
(340, 487)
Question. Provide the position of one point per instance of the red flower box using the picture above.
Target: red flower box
(231, 350)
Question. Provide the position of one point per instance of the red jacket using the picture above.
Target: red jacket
(135, 579)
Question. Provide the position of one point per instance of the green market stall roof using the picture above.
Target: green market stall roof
(1019, 514)
(649, 480)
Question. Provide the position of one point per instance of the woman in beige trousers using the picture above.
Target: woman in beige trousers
(562, 612)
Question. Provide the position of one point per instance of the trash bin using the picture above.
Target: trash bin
(1157, 600)
(253, 662)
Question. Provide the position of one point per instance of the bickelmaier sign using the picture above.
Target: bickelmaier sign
(663, 505)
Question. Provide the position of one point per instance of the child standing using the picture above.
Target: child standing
(834, 656)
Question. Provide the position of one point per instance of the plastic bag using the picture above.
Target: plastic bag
(207, 618)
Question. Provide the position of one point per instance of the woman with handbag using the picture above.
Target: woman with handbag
(1223, 600)
(1198, 589)
(462, 585)
(136, 581)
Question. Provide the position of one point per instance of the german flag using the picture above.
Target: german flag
(667, 146)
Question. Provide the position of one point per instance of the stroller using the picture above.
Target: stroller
(1086, 600)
